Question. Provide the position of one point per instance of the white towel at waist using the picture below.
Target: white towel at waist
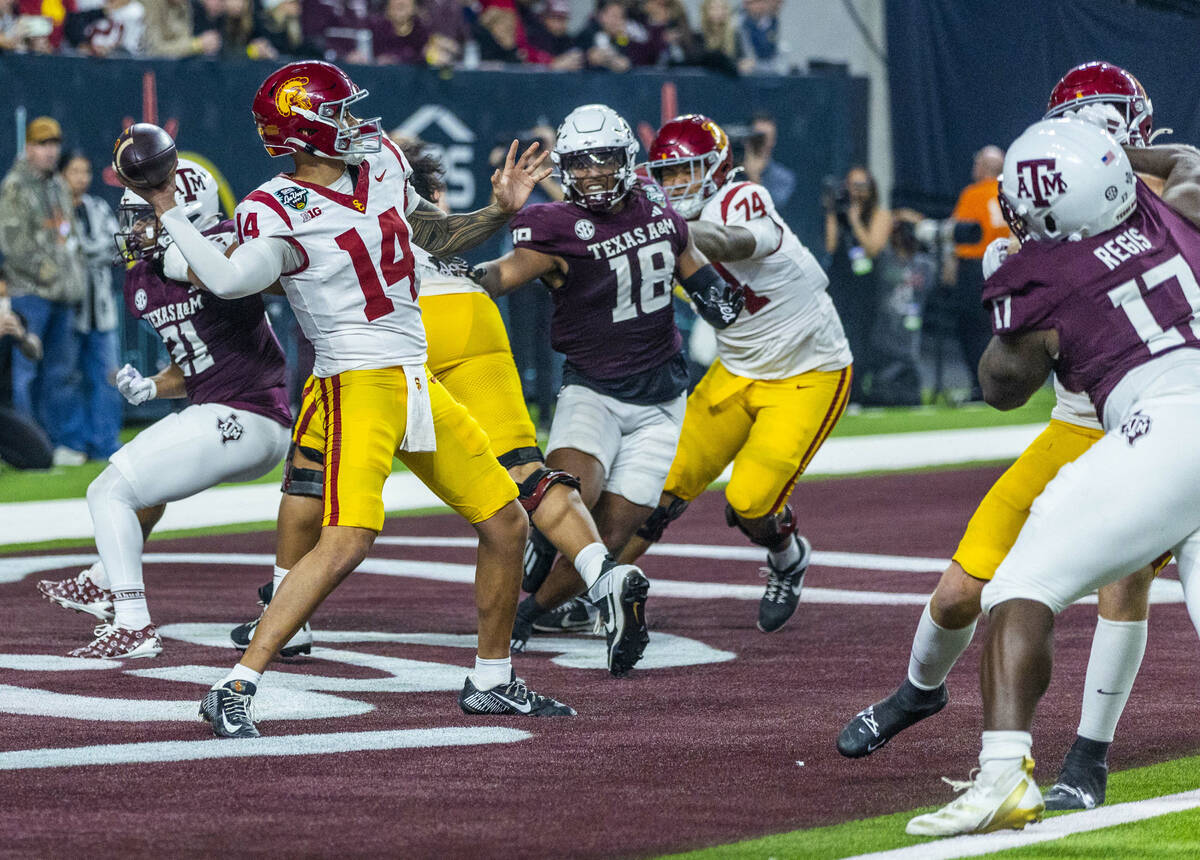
(418, 432)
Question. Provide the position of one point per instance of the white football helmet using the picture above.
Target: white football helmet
(1066, 179)
(138, 235)
(595, 136)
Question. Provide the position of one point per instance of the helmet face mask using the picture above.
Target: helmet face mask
(304, 107)
(701, 145)
(594, 153)
(139, 234)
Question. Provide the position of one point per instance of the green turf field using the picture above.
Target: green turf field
(1169, 836)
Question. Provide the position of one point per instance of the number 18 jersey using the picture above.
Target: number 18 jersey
(355, 290)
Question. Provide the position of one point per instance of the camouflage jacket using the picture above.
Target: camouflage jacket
(40, 237)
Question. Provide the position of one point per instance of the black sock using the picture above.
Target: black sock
(910, 695)
(1097, 750)
(528, 608)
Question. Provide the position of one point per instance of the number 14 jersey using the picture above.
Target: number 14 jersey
(354, 290)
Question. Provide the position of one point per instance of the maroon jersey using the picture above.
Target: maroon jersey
(613, 315)
(226, 349)
(1116, 299)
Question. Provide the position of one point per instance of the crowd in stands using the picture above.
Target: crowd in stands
(618, 35)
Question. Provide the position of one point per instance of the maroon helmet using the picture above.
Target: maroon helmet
(304, 107)
(1103, 83)
(698, 142)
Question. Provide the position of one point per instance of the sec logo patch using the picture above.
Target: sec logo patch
(140, 300)
(585, 229)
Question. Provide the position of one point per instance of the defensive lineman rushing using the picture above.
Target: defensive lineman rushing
(1107, 93)
(1074, 300)
(226, 362)
(610, 253)
(782, 377)
(336, 233)
(470, 355)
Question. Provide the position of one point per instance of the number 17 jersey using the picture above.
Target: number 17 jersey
(354, 291)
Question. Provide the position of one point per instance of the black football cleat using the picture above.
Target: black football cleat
(1081, 784)
(783, 590)
(574, 616)
(511, 699)
(620, 595)
(229, 709)
(527, 610)
(300, 643)
(539, 558)
(876, 724)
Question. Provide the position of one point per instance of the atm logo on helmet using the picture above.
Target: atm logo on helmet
(292, 94)
(1037, 179)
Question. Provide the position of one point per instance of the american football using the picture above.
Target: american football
(144, 155)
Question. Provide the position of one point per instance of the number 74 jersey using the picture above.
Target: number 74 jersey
(354, 286)
(1116, 299)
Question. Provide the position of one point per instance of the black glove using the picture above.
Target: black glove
(717, 301)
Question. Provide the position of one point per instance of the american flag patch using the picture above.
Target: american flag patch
(1108, 156)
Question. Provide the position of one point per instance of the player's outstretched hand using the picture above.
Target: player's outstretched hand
(512, 183)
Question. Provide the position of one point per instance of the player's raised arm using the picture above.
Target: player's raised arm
(441, 234)
(517, 267)
(253, 267)
(1179, 166)
(717, 301)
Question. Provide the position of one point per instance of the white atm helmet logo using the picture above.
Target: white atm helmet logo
(451, 141)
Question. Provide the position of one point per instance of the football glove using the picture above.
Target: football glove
(1104, 116)
(716, 300)
(134, 387)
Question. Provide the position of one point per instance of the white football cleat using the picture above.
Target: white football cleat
(1008, 800)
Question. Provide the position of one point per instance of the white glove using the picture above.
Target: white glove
(134, 387)
(1104, 116)
(995, 255)
(175, 266)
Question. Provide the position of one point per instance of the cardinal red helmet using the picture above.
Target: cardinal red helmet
(304, 107)
(698, 142)
(1103, 83)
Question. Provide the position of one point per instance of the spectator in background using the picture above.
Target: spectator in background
(496, 33)
(23, 443)
(856, 229)
(115, 30)
(666, 21)
(549, 42)
(281, 32)
(759, 164)
(962, 276)
(24, 34)
(906, 277)
(720, 48)
(400, 36)
(445, 18)
(240, 34)
(759, 32)
(171, 31)
(95, 426)
(40, 241)
(612, 41)
(340, 28)
(45, 23)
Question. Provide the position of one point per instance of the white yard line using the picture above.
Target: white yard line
(1047, 831)
(22, 522)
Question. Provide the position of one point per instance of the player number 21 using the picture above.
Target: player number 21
(393, 262)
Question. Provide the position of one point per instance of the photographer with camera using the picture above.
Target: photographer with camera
(957, 299)
(760, 167)
(856, 229)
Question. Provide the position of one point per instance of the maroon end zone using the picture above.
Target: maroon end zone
(668, 759)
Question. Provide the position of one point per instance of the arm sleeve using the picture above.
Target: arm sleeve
(254, 266)
(750, 207)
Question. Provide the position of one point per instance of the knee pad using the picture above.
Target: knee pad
(654, 526)
(521, 456)
(772, 532)
(303, 482)
(112, 487)
(532, 490)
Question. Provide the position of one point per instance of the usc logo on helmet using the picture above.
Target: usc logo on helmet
(292, 94)
(718, 134)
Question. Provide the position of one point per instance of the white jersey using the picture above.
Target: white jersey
(355, 294)
(789, 325)
(444, 277)
(1073, 407)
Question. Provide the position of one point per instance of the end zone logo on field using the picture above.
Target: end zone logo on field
(451, 141)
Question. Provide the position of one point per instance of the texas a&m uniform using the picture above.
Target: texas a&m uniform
(353, 285)
(622, 399)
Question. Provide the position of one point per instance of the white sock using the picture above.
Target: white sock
(1117, 650)
(935, 650)
(786, 557)
(280, 573)
(590, 562)
(1002, 750)
(113, 504)
(491, 673)
(97, 574)
(241, 673)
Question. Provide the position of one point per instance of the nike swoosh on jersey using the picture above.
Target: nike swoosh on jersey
(379, 178)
